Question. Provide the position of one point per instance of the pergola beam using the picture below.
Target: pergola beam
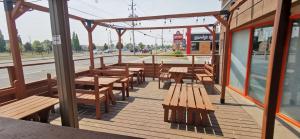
(169, 27)
(185, 15)
(45, 9)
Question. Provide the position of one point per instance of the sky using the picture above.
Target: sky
(35, 25)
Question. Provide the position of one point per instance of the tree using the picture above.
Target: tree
(141, 45)
(47, 45)
(27, 47)
(94, 46)
(75, 42)
(2, 43)
(105, 47)
(129, 46)
(38, 47)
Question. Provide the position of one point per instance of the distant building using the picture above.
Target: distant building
(202, 43)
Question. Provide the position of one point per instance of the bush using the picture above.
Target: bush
(178, 53)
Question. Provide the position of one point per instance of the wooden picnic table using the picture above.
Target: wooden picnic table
(33, 107)
(177, 73)
(103, 81)
(139, 73)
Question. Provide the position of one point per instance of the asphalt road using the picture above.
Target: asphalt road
(38, 72)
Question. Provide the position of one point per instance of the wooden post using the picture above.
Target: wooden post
(64, 64)
(15, 50)
(213, 45)
(275, 66)
(88, 26)
(120, 45)
(193, 67)
(188, 40)
(102, 62)
(11, 75)
(153, 63)
(225, 64)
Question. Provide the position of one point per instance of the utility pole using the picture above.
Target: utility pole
(133, 15)
(162, 38)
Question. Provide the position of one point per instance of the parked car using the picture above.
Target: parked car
(97, 51)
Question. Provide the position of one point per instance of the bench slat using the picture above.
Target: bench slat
(191, 99)
(176, 95)
(198, 99)
(206, 100)
(183, 97)
(169, 95)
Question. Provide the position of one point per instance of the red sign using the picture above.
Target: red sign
(178, 36)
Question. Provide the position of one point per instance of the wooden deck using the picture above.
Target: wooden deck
(142, 116)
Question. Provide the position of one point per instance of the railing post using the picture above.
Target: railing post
(102, 62)
(154, 69)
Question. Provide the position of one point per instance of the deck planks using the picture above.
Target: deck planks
(142, 116)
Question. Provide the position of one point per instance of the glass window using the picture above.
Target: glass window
(290, 103)
(259, 62)
(239, 55)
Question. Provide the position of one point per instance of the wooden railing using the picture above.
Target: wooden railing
(40, 87)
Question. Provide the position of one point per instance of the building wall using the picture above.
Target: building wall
(250, 15)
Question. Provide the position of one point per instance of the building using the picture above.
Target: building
(251, 30)
(202, 43)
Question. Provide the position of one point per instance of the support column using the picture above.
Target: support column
(275, 66)
(225, 64)
(120, 45)
(188, 40)
(213, 45)
(15, 49)
(90, 28)
(64, 64)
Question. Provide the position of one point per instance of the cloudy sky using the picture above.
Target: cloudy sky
(35, 25)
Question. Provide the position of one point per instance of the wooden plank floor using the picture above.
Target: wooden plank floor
(142, 116)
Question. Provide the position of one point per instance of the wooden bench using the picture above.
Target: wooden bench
(35, 108)
(163, 74)
(94, 97)
(187, 100)
(207, 76)
(123, 73)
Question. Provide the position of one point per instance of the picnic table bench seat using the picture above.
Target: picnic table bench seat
(187, 100)
(34, 108)
(207, 76)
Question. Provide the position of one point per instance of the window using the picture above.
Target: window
(259, 62)
(239, 56)
(290, 101)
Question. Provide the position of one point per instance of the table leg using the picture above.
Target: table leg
(44, 115)
(111, 94)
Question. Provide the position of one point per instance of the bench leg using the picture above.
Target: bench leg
(181, 115)
(173, 115)
(197, 118)
(44, 115)
(166, 115)
(158, 83)
(127, 91)
(190, 117)
(123, 91)
(205, 120)
(106, 103)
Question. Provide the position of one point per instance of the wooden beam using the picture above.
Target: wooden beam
(280, 28)
(209, 30)
(64, 64)
(213, 46)
(221, 20)
(185, 15)
(168, 27)
(15, 49)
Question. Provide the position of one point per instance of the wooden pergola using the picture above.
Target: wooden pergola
(59, 16)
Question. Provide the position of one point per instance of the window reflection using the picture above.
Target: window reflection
(290, 103)
(259, 62)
